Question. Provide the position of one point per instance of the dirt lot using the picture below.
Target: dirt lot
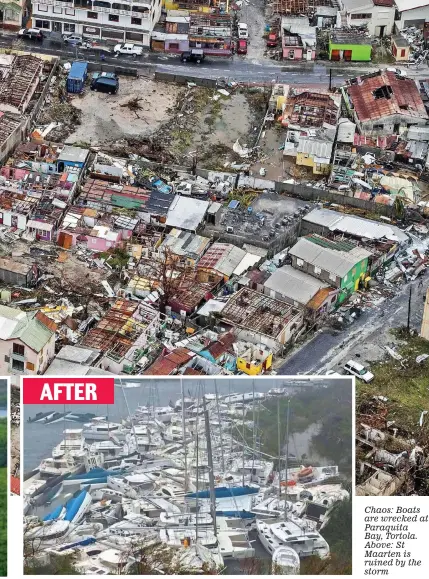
(138, 109)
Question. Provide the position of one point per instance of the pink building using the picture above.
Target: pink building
(102, 238)
(27, 341)
(298, 39)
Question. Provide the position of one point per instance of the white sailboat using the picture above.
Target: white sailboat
(290, 534)
(285, 561)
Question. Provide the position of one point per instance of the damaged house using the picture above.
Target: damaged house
(27, 341)
(342, 265)
(298, 39)
(260, 318)
(384, 103)
(124, 335)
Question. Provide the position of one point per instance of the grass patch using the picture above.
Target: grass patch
(405, 383)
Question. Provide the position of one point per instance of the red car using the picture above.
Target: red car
(242, 46)
(272, 39)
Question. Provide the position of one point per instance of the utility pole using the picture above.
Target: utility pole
(330, 79)
(279, 447)
(287, 454)
(409, 309)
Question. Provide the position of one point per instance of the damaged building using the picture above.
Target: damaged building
(384, 103)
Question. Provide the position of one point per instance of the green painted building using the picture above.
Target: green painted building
(350, 47)
(341, 264)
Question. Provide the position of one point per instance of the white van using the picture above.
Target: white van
(242, 30)
(359, 371)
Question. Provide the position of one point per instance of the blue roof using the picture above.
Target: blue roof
(233, 204)
(78, 69)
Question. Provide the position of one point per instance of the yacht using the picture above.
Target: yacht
(291, 534)
(101, 429)
(50, 467)
(187, 537)
(285, 561)
(72, 444)
(235, 544)
(185, 520)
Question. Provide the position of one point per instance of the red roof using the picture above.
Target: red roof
(166, 365)
(387, 3)
(221, 346)
(15, 485)
(380, 95)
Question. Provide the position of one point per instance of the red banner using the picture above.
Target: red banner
(71, 390)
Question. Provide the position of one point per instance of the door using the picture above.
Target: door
(57, 27)
(348, 55)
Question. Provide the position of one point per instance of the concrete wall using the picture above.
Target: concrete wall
(170, 77)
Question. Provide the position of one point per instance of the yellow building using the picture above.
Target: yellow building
(316, 154)
(254, 360)
(189, 5)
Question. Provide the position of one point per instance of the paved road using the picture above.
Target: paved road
(329, 350)
(237, 68)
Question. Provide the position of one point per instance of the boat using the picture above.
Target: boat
(222, 492)
(77, 507)
(52, 467)
(187, 537)
(101, 429)
(198, 559)
(235, 545)
(73, 444)
(118, 484)
(185, 520)
(290, 534)
(48, 531)
(285, 561)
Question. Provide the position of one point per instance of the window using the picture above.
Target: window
(365, 16)
(42, 8)
(113, 18)
(92, 15)
(174, 46)
(18, 349)
(30, 366)
(42, 24)
(69, 12)
(317, 270)
(18, 365)
(57, 10)
(299, 262)
(332, 277)
(136, 21)
(69, 27)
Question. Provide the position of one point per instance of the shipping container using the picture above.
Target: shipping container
(77, 77)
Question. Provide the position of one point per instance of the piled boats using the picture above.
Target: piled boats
(179, 483)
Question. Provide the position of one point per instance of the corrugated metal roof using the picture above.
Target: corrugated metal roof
(336, 262)
(384, 94)
(315, 147)
(294, 284)
(186, 212)
(14, 266)
(34, 334)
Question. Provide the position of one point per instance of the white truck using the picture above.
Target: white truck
(131, 49)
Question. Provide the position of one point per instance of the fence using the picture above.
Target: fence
(103, 67)
(179, 79)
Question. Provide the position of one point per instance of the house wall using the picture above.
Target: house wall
(33, 362)
(379, 16)
(176, 46)
(12, 14)
(416, 17)
(297, 52)
(15, 278)
(323, 275)
(100, 244)
(400, 53)
(360, 52)
(393, 124)
(254, 369)
(304, 159)
(350, 282)
(66, 17)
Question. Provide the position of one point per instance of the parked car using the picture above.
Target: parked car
(31, 34)
(195, 55)
(131, 49)
(243, 31)
(356, 369)
(242, 46)
(397, 71)
(105, 82)
(73, 39)
(272, 39)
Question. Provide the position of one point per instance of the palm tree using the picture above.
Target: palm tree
(399, 207)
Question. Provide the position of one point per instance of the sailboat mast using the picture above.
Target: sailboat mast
(129, 413)
(197, 481)
(279, 447)
(287, 454)
(243, 434)
(222, 456)
(183, 434)
(254, 426)
(210, 465)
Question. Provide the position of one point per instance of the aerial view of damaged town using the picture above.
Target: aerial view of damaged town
(212, 188)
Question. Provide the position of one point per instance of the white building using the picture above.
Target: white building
(128, 21)
(412, 13)
(377, 15)
(11, 14)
